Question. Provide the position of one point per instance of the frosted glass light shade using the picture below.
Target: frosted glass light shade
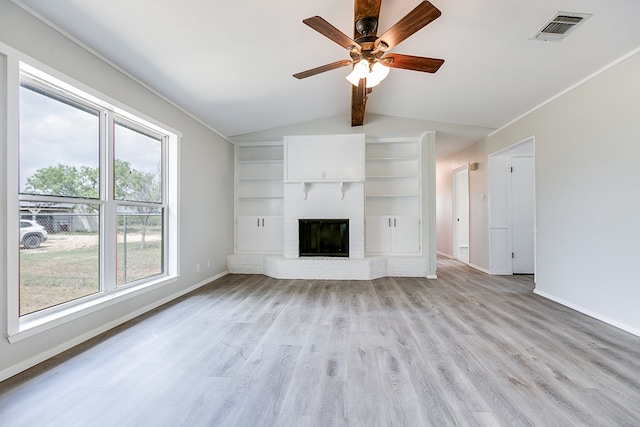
(354, 78)
(379, 71)
(371, 81)
(360, 71)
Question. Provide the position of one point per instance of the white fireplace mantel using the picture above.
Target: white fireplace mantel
(323, 177)
(306, 185)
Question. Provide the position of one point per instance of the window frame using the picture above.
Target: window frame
(20, 327)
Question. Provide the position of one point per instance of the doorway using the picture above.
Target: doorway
(512, 230)
(461, 214)
(522, 215)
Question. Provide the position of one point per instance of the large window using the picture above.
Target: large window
(93, 199)
(138, 190)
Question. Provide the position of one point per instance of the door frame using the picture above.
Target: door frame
(499, 209)
(456, 234)
(511, 209)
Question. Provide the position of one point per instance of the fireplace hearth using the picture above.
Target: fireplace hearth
(324, 237)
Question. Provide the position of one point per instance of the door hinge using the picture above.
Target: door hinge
(511, 169)
(513, 255)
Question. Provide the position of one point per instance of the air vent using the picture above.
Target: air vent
(560, 26)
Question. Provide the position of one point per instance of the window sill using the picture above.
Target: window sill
(40, 322)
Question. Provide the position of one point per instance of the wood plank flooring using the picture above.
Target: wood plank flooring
(466, 349)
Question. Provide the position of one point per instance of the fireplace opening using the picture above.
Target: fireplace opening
(324, 237)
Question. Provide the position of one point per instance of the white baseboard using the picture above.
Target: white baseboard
(589, 313)
(477, 267)
(39, 358)
(445, 255)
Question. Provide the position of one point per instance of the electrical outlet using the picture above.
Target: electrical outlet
(197, 268)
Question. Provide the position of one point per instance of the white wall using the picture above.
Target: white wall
(205, 193)
(478, 193)
(587, 194)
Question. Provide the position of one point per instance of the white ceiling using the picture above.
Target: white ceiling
(230, 63)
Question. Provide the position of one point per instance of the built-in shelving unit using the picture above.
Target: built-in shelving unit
(393, 177)
(259, 196)
(393, 195)
(259, 179)
(326, 176)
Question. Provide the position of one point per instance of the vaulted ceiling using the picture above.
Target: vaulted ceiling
(230, 63)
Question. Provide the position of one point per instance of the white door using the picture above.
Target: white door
(378, 234)
(248, 233)
(405, 234)
(461, 212)
(522, 214)
(272, 231)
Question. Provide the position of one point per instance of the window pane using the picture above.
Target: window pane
(59, 254)
(140, 243)
(59, 145)
(138, 166)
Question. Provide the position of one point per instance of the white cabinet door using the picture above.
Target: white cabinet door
(393, 234)
(260, 234)
(405, 234)
(378, 234)
(248, 233)
(272, 231)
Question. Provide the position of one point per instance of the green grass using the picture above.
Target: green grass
(140, 262)
(49, 278)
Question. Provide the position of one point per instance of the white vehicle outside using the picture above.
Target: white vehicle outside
(32, 234)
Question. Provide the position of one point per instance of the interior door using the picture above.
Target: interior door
(461, 212)
(522, 214)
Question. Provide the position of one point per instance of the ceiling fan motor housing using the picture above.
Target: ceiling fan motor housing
(366, 26)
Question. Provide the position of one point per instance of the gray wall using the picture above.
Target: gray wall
(205, 192)
(587, 145)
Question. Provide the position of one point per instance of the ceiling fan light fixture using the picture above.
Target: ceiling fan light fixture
(379, 71)
(371, 82)
(360, 71)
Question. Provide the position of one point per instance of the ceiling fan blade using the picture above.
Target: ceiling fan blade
(365, 9)
(331, 32)
(358, 103)
(322, 69)
(423, 14)
(415, 63)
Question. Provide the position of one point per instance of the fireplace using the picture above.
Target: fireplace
(324, 237)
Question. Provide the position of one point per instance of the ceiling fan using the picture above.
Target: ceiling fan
(368, 52)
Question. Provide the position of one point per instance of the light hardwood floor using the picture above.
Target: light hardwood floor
(465, 349)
